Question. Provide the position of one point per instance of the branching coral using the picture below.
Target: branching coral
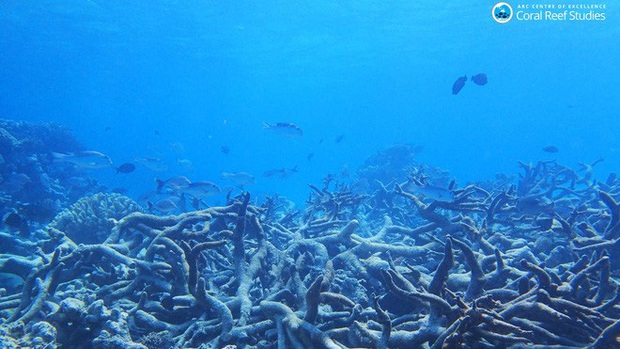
(469, 273)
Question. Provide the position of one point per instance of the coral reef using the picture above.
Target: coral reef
(90, 219)
(31, 184)
(530, 265)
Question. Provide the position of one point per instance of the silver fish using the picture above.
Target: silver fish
(201, 189)
(153, 164)
(167, 205)
(240, 178)
(280, 172)
(429, 191)
(285, 129)
(186, 164)
(173, 184)
(88, 159)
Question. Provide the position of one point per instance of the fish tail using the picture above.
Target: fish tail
(55, 157)
(160, 184)
(266, 125)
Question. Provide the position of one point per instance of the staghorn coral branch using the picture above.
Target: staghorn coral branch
(613, 227)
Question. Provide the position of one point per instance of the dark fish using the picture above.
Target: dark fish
(533, 205)
(225, 149)
(480, 79)
(157, 133)
(108, 128)
(11, 282)
(611, 178)
(458, 84)
(17, 222)
(339, 138)
(126, 168)
(37, 212)
(551, 149)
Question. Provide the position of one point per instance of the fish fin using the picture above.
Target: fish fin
(160, 184)
(452, 185)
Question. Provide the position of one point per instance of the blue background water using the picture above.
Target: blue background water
(204, 74)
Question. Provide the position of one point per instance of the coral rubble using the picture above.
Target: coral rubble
(516, 266)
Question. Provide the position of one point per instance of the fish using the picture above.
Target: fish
(126, 168)
(309, 156)
(153, 164)
(177, 147)
(458, 84)
(11, 282)
(39, 212)
(78, 182)
(429, 191)
(240, 178)
(201, 189)
(88, 159)
(551, 149)
(480, 79)
(280, 172)
(186, 164)
(225, 149)
(285, 129)
(174, 184)
(339, 138)
(167, 205)
(16, 222)
(533, 205)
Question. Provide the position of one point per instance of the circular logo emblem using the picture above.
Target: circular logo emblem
(502, 12)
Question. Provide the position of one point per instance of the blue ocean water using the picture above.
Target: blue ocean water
(178, 80)
(190, 91)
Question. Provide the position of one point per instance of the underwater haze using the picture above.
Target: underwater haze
(309, 174)
(131, 79)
